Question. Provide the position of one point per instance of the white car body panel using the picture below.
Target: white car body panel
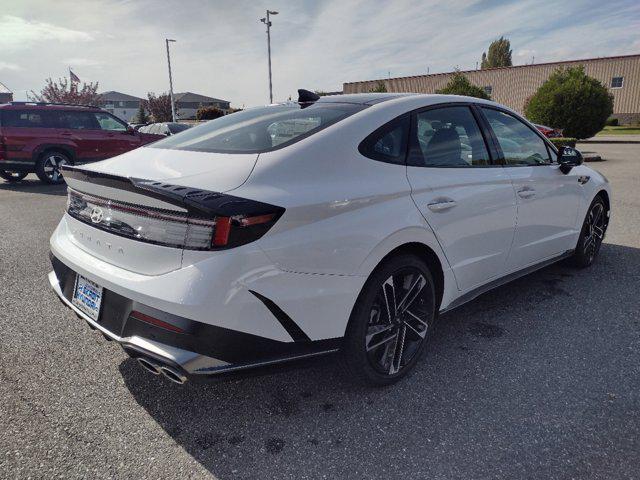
(548, 203)
(477, 222)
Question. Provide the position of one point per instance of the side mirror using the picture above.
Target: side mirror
(569, 157)
(131, 130)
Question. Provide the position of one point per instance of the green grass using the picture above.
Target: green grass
(626, 130)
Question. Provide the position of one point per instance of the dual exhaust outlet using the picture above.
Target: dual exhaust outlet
(160, 369)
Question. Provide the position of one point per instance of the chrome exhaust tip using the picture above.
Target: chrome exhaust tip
(149, 365)
(173, 375)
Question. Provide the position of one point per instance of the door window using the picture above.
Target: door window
(447, 137)
(520, 144)
(388, 143)
(78, 120)
(107, 122)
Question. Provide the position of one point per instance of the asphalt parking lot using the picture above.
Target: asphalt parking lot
(539, 379)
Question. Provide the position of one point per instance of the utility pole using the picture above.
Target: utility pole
(266, 20)
(173, 107)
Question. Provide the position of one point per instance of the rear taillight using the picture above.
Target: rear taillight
(172, 228)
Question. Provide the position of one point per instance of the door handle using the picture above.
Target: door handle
(66, 134)
(526, 192)
(441, 205)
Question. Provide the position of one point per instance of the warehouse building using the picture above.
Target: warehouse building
(512, 86)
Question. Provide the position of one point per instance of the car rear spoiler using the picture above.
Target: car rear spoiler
(198, 203)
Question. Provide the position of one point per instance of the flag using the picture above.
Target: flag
(73, 77)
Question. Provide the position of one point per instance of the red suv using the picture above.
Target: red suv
(39, 137)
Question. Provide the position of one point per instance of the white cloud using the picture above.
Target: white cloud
(82, 62)
(221, 47)
(10, 66)
(18, 33)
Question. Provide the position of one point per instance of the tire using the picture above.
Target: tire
(48, 166)
(591, 235)
(12, 177)
(379, 349)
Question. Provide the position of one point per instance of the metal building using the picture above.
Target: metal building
(512, 86)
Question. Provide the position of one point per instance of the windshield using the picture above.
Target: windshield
(259, 129)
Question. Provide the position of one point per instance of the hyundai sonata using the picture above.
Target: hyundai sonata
(342, 223)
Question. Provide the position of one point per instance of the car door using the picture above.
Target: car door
(547, 199)
(118, 138)
(468, 201)
(81, 128)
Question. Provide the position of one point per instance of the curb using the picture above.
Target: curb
(621, 142)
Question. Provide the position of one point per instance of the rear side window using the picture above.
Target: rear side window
(260, 129)
(389, 142)
(26, 119)
(447, 137)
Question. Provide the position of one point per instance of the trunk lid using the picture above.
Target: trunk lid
(149, 177)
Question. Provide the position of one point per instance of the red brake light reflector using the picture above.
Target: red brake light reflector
(154, 321)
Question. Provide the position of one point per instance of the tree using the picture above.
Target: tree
(460, 85)
(160, 107)
(65, 91)
(379, 88)
(209, 113)
(499, 54)
(572, 101)
(142, 116)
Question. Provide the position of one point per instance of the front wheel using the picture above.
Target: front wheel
(591, 235)
(12, 177)
(391, 321)
(48, 167)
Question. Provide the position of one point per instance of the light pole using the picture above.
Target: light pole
(173, 108)
(267, 21)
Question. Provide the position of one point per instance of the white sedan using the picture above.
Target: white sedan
(341, 223)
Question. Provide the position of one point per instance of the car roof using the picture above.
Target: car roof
(52, 106)
(362, 98)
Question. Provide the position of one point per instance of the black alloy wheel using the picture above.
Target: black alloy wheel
(391, 322)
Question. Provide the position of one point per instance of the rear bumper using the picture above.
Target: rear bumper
(202, 349)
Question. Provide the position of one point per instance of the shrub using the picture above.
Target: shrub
(209, 113)
(379, 88)
(564, 142)
(612, 122)
(460, 85)
(572, 101)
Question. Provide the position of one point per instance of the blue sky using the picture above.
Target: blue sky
(221, 48)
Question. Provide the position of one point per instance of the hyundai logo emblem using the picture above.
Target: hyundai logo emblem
(96, 215)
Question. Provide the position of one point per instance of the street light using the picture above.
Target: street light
(267, 21)
(173, 108)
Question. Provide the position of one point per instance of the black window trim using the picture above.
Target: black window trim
(552, 151)
(479, 123)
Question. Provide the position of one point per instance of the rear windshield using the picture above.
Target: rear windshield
(259, 129)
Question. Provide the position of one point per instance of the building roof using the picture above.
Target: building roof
(529, 65)
(4, 89)
(196, 98)
(118, 97)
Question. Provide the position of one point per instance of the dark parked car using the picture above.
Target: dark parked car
(40, 137)
(164, 128)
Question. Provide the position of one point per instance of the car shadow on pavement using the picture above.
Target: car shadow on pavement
(29, 185)
(510, 380)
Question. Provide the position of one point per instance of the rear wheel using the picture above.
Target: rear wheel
(592, 234)
(12, 177)
(48, 166)
(391, 321)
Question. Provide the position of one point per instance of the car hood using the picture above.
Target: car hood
(218, 172)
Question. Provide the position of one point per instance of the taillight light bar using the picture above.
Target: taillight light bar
(174, 228)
